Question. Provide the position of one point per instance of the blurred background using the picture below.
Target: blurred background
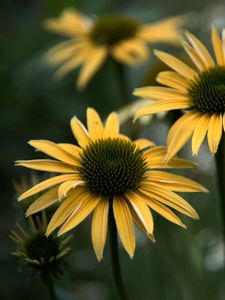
(183, 264)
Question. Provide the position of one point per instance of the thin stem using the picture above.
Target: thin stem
(220, 162)
(115, 255)
(47, 280)
(122, 81)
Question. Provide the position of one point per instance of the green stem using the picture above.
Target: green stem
(115, 255)
(47, 280)
(220, 163)
(122, 81)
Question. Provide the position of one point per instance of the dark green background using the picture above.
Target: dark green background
(183, 264)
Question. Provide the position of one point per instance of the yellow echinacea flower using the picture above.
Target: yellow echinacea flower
(200, 91)
(107, 171)
(92, 41)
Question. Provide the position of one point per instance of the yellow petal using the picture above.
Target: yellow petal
(66, 186)
(166, 30)
(199, 133)
(70, 65)
(142, 211)
(156, 159)
(224, 122)
(131, 52)
(53, 150)
(164, 105)
(92, 63)
(180, 133)
(80, 132)
(47, 184)
(124, 224)
(176, 64)
(174, 182)
(64, 52)
(144, 143)
(112, 125)
(173, 80)
(201, 50)
(194, 56)
(99, 227)
(46, 165)
(94, 124)
(71, 149)
(215, 132)
(160, 93)
(164, 211)
(68, 206)
(171, 199)
(217, 46)
(70, 23)
(86, 207)
(44, 201)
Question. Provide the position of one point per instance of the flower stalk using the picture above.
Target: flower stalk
(115, 255)
(47, 280)
(220, 163)
(122, 82)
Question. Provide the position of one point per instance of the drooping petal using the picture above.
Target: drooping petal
(46, 165)
(142, 211)
(124, 224)
(112, 125)
(171, 199)
(176, 64)
(99, 227)
(80, 132)
(174, 182)
(53, 150)
(68, 206)
(47, 184)
(180, 133)
(66, 186)
(164, 211)
(215, 132)
(94, 124)
(199, 133)
(92, 63)
(44, 201)
(86, 207)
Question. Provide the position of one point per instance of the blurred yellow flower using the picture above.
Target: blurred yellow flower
(108, 172)
(91, 41)
(201, 91)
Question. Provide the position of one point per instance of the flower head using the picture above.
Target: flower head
(41, 253)
(200, 91)
(91, 41)
(108, 171)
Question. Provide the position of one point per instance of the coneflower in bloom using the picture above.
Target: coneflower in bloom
(200, 91)
(107, 171)
(92, 40)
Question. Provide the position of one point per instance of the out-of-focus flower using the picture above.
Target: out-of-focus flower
(201, 92)
(41, 253)
(109, 171)
(91, 41)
